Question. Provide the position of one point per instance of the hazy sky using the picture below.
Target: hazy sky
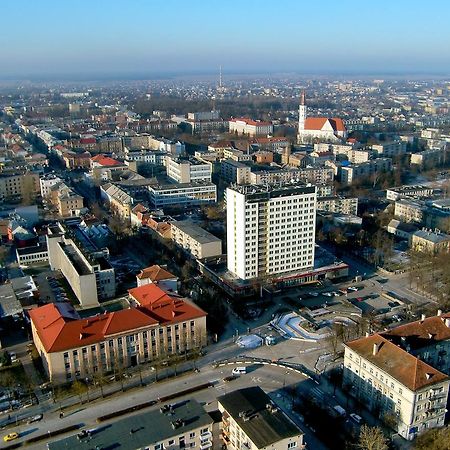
(147, 36)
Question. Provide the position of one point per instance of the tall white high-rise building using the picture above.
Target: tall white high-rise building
(270, 229)
(302, 113)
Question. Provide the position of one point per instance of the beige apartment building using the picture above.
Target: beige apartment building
(195, 240)
(235, 172)
(155, 326)
(14, 186)
(430, 241)
(409, 210)
(340, 205)
(402, 374)
(67, 202)
(250, 420)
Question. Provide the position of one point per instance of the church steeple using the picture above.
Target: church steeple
(301, 113)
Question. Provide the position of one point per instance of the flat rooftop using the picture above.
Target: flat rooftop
(195, 232)
(140, 431)
(264, 426)
(266, 192)
(75, 259)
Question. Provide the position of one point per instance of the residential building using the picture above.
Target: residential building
(250, 127)
(338, 205)
(389, 149)
(351, 173)
(156, 325)
(183, 194)
(46, 182)
(430, 241)
(316, 175)
(205, 126)
(237, 155)
(235, 172)
(153, 157)
(172, 426)
(318, 129)
(160, 276)
(195, 240)
(85, 267)
(402, 374)
(270, 229)
(401, 230)
(104, 167)
(18, 185)
(409, 210)
(272, 176)
(250, 420)
(188, 170)
(67, 202)
(118, 200)
(428, 159)
(204, 115)
(353, 155)
(409, 191)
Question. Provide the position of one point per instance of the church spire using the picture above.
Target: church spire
(302, 98)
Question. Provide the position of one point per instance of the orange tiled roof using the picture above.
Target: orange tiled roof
(155, 273)
(61, 330)
(398, 363)
(105, 160)
(317, 123)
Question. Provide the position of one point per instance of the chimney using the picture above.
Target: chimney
(423, 317)
(376, 348)
(439, 312)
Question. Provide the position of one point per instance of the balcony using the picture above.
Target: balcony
(206, 435)
(205, 444)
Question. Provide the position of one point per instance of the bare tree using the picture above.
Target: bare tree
(372, 438)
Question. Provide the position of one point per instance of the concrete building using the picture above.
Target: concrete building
(32, 255)
(409, 210)
(156, 325)
(403, 374)
(188, 170)
(16, 186)
(46, 182)
(173, 426)
(429, 158)
(316, 175)
(195, 240)
(318, 129)
(85, 268)
(409, 191)
(250, 127)
(389, 149)
(353, 155)
(189, 194)
(235, 172)
(270, 230)
(159, 276)
(350, 174)
(250, 420)
(204, 115)
(118, 200)
(338, 205)
(430, 241)
(401, 230)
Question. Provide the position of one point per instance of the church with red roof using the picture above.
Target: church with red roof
(318, 129)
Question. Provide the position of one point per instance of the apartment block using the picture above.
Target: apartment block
(188, 170)
(16, 186)
(340, 205)
(409, 191)
(195, 240)
(118, 200)
(85, 267)
(270, 229)
(235, 172)
(389, 149)
(409, 210)
(429, 158)
(183, 194)
(250, 420)
(351, 173)
(66, 200)
(430, 241)
(46, 182)
(155, 325)
(402, 374)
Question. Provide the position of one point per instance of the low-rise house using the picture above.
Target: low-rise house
(159, 276)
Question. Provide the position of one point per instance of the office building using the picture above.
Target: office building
(270, 230)
(409, 191)
(183, 194)
(250, 127)
(188, 170)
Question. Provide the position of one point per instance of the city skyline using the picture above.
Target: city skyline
(104, 40)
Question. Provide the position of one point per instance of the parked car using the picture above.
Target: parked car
(36, 418)
(239, 370)
(10, 437)
(356, 418)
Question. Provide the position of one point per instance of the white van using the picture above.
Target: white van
(340, 410)
(239, 370)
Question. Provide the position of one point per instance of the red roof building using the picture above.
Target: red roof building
(155, 325)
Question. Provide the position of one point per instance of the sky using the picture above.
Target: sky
(111, 37)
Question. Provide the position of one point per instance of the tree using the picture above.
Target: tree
(434, 439)
(79, 389)
(372, 438)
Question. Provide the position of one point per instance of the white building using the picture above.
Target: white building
(389, 149)
(250, 127)
(349, 174)
(235, 172)
(411, 191)
(188, 170)
(402, 374)
(321, 129)
(183, 194)
(46, 182)
(340, 205)
(270, 230)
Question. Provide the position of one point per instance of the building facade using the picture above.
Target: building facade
(188, 170)
(170, 195)
(250, 127)
(270, 230)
